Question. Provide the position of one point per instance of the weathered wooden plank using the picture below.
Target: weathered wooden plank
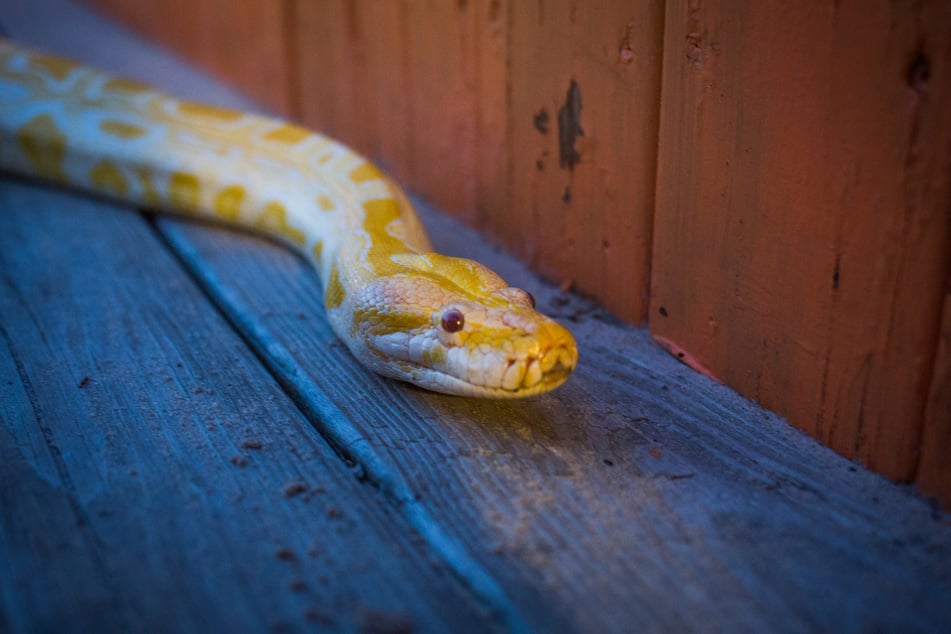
(640, 493)
(242, 41)
(34, 487)
(802, 225)
(155, 476)
(335, 424)
(584, 81)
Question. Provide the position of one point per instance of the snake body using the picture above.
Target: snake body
(445, 324)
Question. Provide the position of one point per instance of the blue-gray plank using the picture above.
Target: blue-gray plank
(640, 496)
(154, 475)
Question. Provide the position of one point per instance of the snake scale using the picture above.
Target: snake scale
(446, 324)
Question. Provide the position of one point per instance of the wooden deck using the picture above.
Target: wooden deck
(185, 447)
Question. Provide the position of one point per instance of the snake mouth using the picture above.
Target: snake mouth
(520, 378)
(513, 366)
(540, 373)
(558, 374)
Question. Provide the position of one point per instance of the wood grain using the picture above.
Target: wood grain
(241, 41)
(802, 231)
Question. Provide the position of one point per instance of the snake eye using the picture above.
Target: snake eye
(453, 320)
(531, 299)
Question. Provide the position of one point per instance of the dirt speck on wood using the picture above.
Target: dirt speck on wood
(286, 554)
(294, 489)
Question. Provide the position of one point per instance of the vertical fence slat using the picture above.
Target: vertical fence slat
(802, 220)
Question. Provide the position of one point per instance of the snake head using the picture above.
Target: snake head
(460, 329)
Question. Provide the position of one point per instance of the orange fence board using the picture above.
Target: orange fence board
(580, 207)
(802, 223)
(242, 41)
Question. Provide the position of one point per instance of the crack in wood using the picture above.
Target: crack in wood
(337, 430)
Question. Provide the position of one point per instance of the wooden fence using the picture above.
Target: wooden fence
(765, 184)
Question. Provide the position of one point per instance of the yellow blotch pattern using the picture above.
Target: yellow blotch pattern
(288, 133)
(44, 145)
(318, 250)
(183, 190)
(392, 321)
(335, 292)
(228, 202)
(379, 214)
(325, 203)
(121, 84)
(106, 177)
(212, 112)
(274, 220)
(365, 172)
(121, 129)
(56, 66)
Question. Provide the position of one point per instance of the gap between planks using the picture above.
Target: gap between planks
(334, 426)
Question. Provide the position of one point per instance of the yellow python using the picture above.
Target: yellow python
(446, 324)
